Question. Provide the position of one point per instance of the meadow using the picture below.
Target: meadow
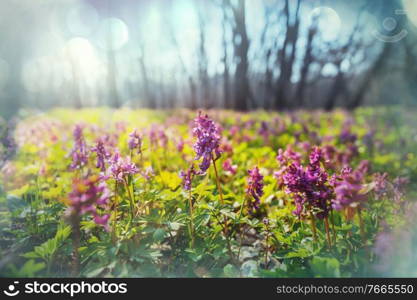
(179, 193)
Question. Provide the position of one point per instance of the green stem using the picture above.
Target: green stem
(76, 237)
(190, 204)
(241, 233)
(114, 235)
(361, 225)
(219, 188)
(131, 200)
(326, 224)
(313, 226)
(267, 248)
(333, 227)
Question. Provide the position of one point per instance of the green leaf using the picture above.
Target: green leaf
(159, 235)
(300, 253)
(325, 267)
(230, 271)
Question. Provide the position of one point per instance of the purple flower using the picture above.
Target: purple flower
(227, 166)
(187, 178)
(102, 154)
(135, 141)
(264, 131)
(380, 182)
(8, 144)
(158, 137)
(347, 137)
(208, 140)
(148, 173)
(363, 167)
(369, 139)
(399, 187)
(348, 189)
(79, 152)
(308, 185)
(180, 144)
(102, 220)
(120, 168)
(329, 154)
(255, 187)
(284, 157)
(87, 197)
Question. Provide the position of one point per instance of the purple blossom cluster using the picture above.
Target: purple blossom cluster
(349, 186)
(148, 173)
(135, 141)
(254, 188)
(208, 140)
(229, 167)
(346, 136)
(8, 144)
(381, 184)
(399, 188)
(187, 178)
(180, 144)
(121, 167)
(89, 196)
(265, 131)
(79, 153)
(309, 185)
(158, 137)
(102, 154)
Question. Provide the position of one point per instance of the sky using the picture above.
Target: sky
(63, 41)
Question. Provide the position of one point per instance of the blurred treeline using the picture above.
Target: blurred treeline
(276, 58)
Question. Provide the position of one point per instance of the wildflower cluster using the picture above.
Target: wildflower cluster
(348, 187)
(254, 188)
(121, 167)
(102, 154)
(89, 196)
(308, 185)
(135, 142)
(79, 153)
(208, 140)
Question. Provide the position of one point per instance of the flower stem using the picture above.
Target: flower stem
(114, 235)
(333, 228)
(313, 226)
(190, 204)
(76, 237)
(361, 225)
(131, 200)
(243, 230)
(267, 247)
(326, 223)
(219, 188)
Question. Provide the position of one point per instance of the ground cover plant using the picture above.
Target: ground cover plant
(125, 193)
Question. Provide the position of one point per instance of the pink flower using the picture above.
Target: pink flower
(102, 154)
(135, 141)
(79, 153)
(254, 187)
(208, 140)
(120, 168)
(228, 167)
(89, 196)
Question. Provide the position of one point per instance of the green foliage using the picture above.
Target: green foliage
(218, 239)
(47, 250)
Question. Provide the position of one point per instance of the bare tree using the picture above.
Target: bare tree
(286, 55)
(227, 99)
(192, 85)
(203, 61)
(241, 43)
(307, 61)
(371, 74)
(150, 99)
